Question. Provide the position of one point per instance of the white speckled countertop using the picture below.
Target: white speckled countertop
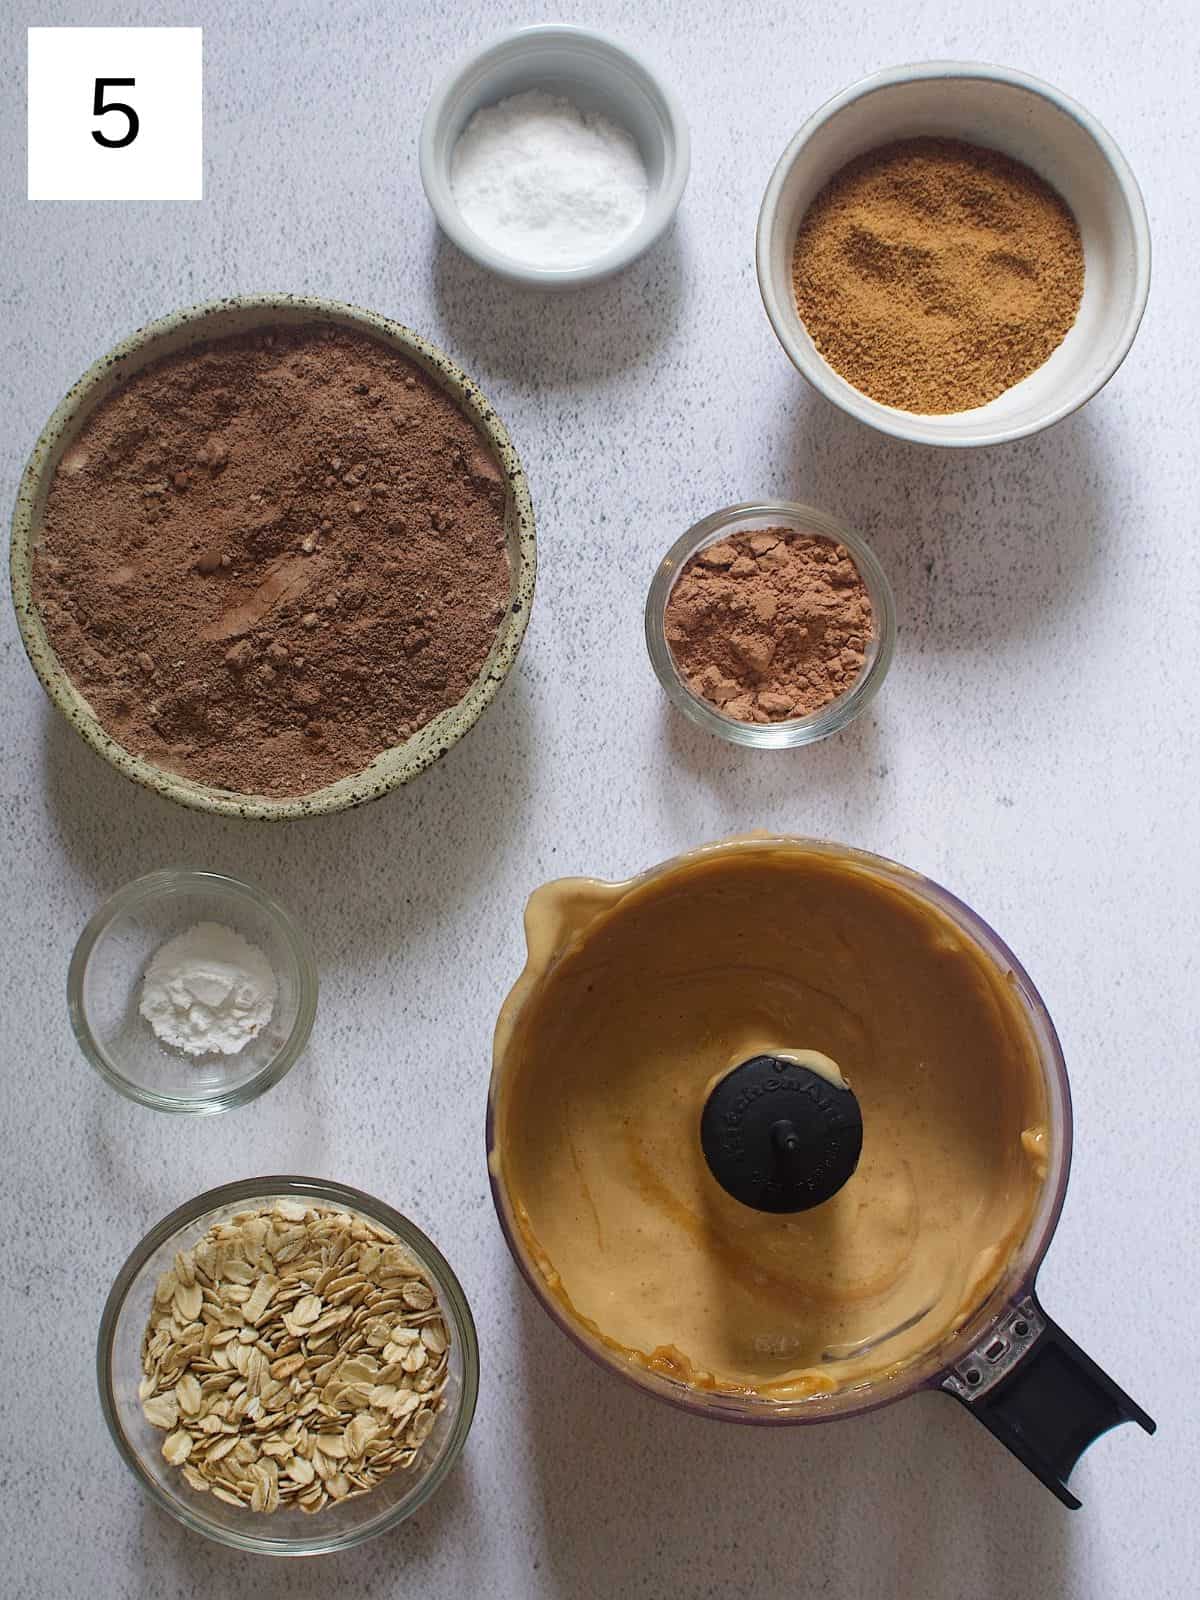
(1035, 749)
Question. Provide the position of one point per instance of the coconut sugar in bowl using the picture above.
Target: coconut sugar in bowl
(770, 624)
(362, 604)
(1014, 116)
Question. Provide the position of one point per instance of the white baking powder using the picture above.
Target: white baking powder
(543, 181)
(208, 991)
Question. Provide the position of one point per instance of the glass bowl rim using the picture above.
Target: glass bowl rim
(324, 1191)
(793, 731)
(154, 885)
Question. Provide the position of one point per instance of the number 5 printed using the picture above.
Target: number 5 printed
(100, 109)
(115, 114)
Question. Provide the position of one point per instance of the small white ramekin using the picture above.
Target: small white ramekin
(1028, 120)
(597, 75)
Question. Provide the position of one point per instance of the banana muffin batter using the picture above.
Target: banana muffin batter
(639, 995)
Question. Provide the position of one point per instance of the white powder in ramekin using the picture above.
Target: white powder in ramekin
(547, 183)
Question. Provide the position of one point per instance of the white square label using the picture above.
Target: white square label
(116, 114)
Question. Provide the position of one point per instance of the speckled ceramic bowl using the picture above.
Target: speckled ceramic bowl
(196, 325)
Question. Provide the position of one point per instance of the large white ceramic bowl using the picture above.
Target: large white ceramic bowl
(1028, 120)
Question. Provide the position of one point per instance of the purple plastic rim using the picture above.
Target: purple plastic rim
(928, 1371)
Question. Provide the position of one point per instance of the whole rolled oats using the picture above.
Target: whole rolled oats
(295, 1356)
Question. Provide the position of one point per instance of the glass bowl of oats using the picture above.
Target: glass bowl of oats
(288, 1366)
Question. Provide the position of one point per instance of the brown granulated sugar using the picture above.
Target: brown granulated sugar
(934, 275)
(266, 560)
(769, 625)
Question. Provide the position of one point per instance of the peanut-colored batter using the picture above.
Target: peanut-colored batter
(638, 995)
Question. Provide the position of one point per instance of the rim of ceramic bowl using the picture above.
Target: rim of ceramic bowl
(887, 419)
(153, 885)
(324, 1191)
(795, 731)
(660, 210)
(923, 1372)
(241, 314)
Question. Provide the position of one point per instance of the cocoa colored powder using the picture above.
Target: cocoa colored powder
(769, 625)
(933, 275)
(268, 560)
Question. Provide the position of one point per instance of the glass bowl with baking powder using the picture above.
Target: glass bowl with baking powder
(191, 992)
(878, 646)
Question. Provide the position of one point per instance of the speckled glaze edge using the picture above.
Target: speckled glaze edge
(924, 1372)
(185, 329)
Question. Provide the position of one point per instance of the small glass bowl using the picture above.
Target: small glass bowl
(104, 991)
(288, 1531)
(750, 518)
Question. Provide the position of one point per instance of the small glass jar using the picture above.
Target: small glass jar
(753, 517)
(288, 1532)
(104, 989)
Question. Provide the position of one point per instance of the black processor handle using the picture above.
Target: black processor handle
(1040, 1394)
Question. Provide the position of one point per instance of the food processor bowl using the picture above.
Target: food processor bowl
(1008, 1363)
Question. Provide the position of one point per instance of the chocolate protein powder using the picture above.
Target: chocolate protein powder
(769, 625)
(267, 560)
